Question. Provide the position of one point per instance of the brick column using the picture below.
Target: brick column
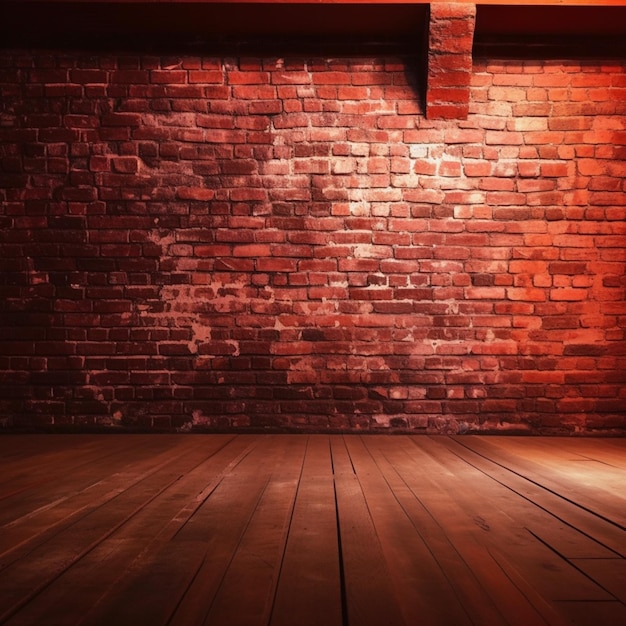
(450, 39)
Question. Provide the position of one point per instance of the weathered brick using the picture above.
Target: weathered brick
(282, 235)
(235, 77)
(121, 119)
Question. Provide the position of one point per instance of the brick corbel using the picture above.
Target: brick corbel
(450, 40)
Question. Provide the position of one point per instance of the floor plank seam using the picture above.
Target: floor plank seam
(608, 520)
(339, 530)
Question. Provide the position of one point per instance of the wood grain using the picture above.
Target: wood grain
(277, 530)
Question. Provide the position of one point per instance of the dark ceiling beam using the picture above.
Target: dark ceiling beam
(445, 34)
(519, 28)
(595, 3)
(495, 18)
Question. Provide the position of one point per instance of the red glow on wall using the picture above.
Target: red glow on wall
(199, 242)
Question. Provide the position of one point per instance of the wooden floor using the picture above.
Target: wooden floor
(298, 530)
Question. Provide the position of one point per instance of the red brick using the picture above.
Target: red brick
(446, 111)
(195, 193)
(206, 76)
(247, 78)
(570, 295)
(215, 121)
(498, 238)
(265, 107)
(252, 250)
(290, 78)
(124, 165)
(447, 95)
(121, 119)
(168, 77)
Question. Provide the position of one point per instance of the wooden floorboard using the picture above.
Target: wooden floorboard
(309, 586)
(306, 530)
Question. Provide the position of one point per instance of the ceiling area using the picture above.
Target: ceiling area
(589, 28)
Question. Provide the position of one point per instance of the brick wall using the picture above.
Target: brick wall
(202, 242)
